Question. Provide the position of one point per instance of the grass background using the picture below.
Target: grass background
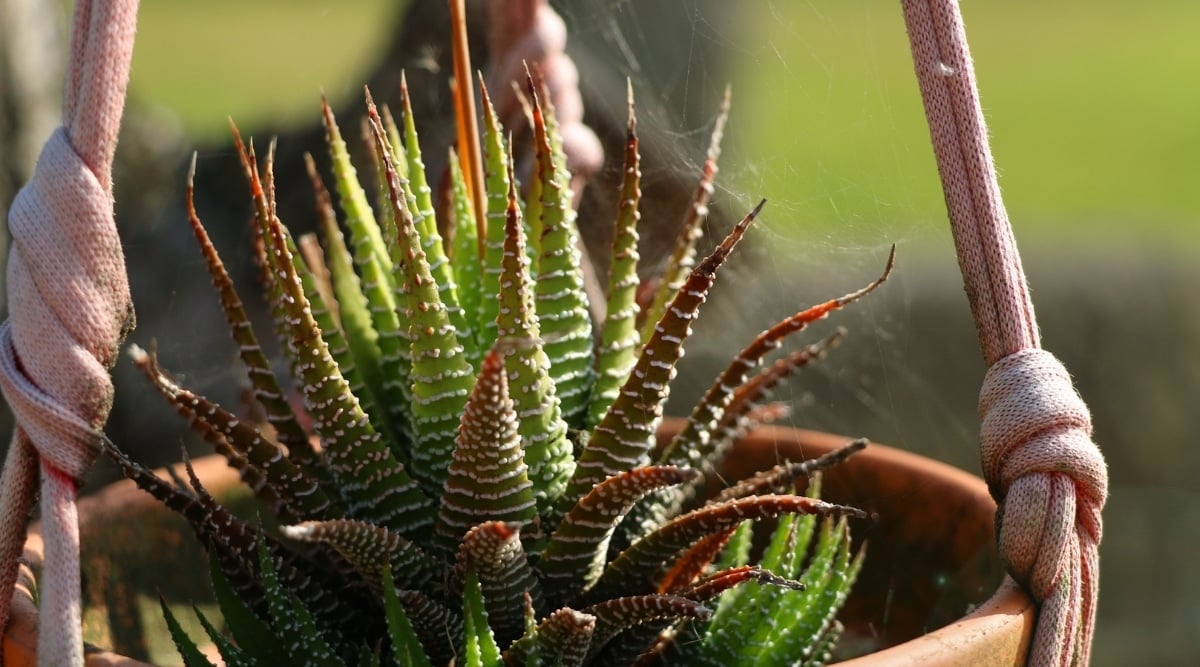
(1092, 104)
(1093, 109)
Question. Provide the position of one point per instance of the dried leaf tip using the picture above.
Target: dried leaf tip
(632, 125)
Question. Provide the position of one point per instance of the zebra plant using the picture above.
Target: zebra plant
(474, 477)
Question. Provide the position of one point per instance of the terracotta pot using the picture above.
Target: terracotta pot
(931, 558)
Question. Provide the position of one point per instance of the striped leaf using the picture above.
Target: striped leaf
(578, 549)
(370, 246)
(371, 549)
(487, 478)
(708, 450)
(618, 614)
(353, 311)
(561, 301)
(562, 638)
(492, 553)
(442, 377)
(262, 379)
(625, 435)
(293, 621)
(543, 431)
(497, 185)
(619, 337)
(375, 485)
(465, 260)
(637, 568)
(419, 197)
(689, 445)
(263, 464)
(684, 254)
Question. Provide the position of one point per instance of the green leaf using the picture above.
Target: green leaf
(578, 549)
(559, 295)
(354, 314)
(493, 552)
(192, 657)
(231, 654)
(543, 430)
(497, 185)
(465, 260)
(375, 266)
(419, 197)
(481, 649)
(487, 477)
(296, 626)
(442, 377)
(407, 650)
(619, 337)
(625, 435)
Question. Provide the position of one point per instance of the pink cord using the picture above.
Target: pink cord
(1038, 457)
(69, 311)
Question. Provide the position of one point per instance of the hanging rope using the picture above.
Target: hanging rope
(69, 311)
(1048, 477)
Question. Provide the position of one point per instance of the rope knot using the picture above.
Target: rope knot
(1042, 466)
(70, 308)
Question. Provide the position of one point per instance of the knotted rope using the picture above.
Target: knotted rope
(529, 33)
(69, 311)
(1048, 477)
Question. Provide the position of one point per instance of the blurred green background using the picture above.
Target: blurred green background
(1094, 112)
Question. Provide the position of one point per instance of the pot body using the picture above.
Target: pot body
(932, 590)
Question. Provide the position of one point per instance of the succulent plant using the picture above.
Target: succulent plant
(473, 476)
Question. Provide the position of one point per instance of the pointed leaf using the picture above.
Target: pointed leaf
(354, 314)
(618, 614)
(619, 337)
(543, 430)
(625, 435)
(487, 478)
(407, 650)
(376, 485)
(262, 379)
(442, 377)
(684, 255)
(370, 244)
(371, 549)
(249, 630)
(688, 446)
(230, 653)
(498, 184)
(637, 567)
(293, 494)
(466, 261)
(492, 552)
(578, 549)
(561, 301)
(563, 638)
(295, 624)
(782, 478)
(419, 197)
(481, 649)
(192, 657)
